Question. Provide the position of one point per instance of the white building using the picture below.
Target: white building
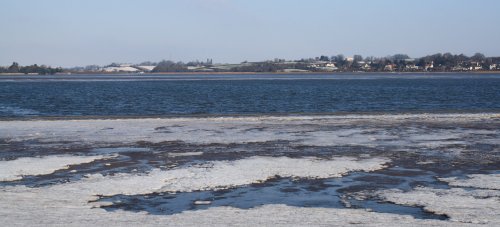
(429, 66)
(121, 68)
(476, 66)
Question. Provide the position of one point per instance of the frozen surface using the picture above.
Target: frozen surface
(16, 169)
(478, 206)
(27, 207)
(485, 181)
(223, 174)
(68, 203)
(313, 131)
(398, 156)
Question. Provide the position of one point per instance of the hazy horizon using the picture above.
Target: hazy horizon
(76, 33)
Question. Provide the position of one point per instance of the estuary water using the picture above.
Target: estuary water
(165, 95)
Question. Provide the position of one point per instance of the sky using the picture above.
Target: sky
(84, 32)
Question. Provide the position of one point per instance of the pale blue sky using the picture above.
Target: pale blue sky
(83, 32)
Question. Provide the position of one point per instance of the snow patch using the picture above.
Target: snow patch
(476, 206)
(16, 169)
(484, 181)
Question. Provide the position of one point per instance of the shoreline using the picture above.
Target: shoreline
(315, 73)
(252, 73)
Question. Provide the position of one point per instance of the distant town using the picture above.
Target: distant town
(338, 63)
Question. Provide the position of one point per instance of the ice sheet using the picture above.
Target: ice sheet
(223, 174)
(68, 203)
(305, 130)
(478, 206)
(29, 207)
(485, 181)
(16, 169)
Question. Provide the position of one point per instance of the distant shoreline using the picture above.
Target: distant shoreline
(317, 73)
(245, 73)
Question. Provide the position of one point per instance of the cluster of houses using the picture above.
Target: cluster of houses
(409, 65)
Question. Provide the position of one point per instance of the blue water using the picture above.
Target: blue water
(164, 95)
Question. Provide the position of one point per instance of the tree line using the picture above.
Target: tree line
(41, 70)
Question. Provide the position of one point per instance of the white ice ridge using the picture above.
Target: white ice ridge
(16, 169)
(478, 206)
(224, 174)
(485, 181)
(306, 130)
